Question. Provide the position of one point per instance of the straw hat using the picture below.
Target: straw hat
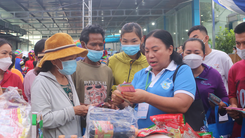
(61, 45)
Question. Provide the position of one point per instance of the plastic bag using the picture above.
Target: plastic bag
(168, 120)
(152, 130)
(14, 115)
(110, 123)
(189, 132)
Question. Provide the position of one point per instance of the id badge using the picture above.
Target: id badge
(142, 110)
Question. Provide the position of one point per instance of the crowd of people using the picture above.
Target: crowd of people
(166, 81)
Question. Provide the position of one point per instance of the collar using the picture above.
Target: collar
(202, 76)
(6, 76)
(18, 57)
(171, 66)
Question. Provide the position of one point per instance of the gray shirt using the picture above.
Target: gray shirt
(58, 114)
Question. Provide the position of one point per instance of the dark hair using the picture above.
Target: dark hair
(4, 41)
(240, 28)
(25, 59)
(167, 39)
(39, 46)
(13, 61)
(47, 66)
(95, 29)
(195, 39)
(198, 27)
(132, 27)
(34, 63)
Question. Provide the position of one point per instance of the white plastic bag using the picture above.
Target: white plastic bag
(110, 123)
(14, 115)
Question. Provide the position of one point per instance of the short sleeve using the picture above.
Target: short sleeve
(185, 82)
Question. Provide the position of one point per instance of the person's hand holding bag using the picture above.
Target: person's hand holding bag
(81, 110)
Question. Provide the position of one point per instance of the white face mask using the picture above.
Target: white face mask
(5, 63)
(241, 53)
(193, 60)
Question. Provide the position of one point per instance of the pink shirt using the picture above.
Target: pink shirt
(29, 78)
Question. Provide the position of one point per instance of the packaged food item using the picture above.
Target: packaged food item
(37, 125)
(214, 99)
(205, 134)
(168, 121)
(151, 130)
(189, 132)
(110, 123)
(14, 115)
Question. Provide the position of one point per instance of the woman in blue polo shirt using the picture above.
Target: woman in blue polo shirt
(208, 79)
(156, 93)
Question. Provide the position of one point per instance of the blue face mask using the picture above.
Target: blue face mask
(131, 49)
(69, 67)
(94, 55)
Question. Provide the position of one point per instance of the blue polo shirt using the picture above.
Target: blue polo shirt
(162, 85)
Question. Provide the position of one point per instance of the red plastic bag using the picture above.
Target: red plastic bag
(171, 120)
(189, 132)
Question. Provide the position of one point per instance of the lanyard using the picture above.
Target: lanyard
(147, 85)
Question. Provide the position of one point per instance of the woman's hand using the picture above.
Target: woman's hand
(19, 91)
(139, 96)
(81, 110)
(232, 113)
(115, 99)
(222, 105)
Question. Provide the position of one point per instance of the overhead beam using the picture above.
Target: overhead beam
(152, 8)
(72, 23)
(6, 9)
(63, 11)
(99, 7)
(114, 13)
(58, 17)
(41, 5)
(132, 12)
(67, 28)
(109, 13)
(26, 10)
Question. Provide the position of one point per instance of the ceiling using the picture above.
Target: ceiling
(46, 17)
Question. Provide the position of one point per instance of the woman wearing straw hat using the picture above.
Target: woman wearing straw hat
(53, 91)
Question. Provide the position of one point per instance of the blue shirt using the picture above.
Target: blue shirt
(17, 64)
(162, 85)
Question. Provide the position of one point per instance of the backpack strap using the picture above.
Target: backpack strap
(176, 71)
